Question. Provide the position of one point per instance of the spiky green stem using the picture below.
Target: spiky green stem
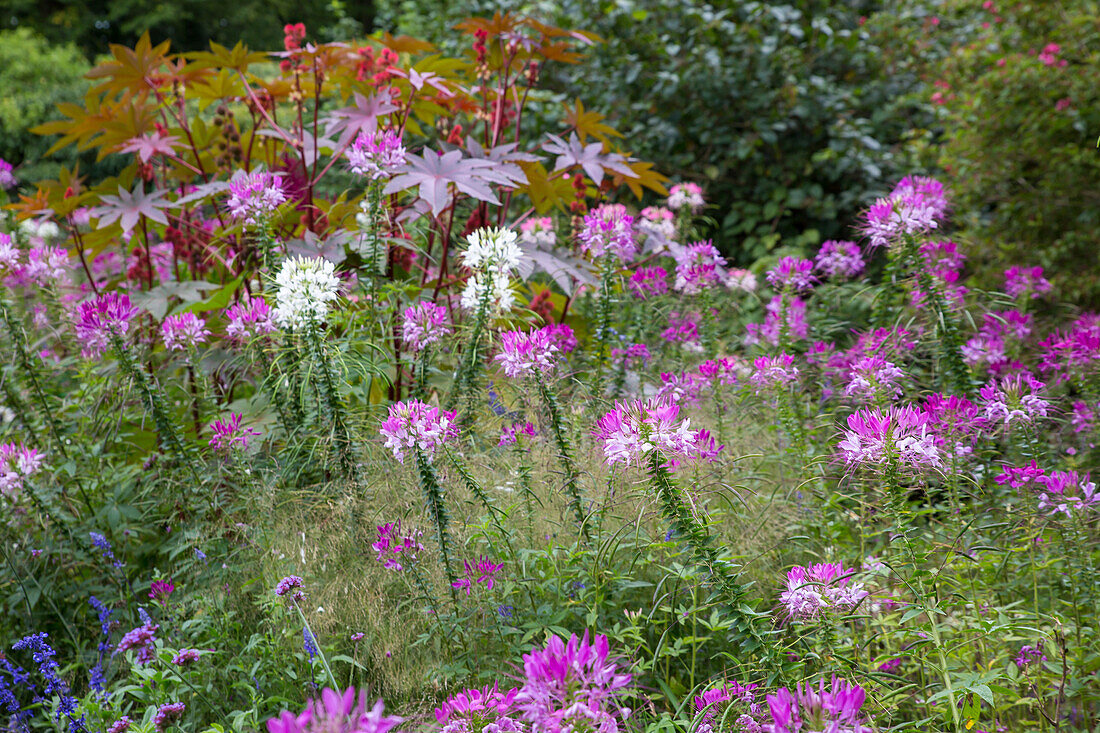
(565, 453)
(471, 357)
(437, 509)
(332, 406)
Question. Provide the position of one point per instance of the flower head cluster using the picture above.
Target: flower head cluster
(291, 585)
(418, 427)
(1072, 352)
(254, 197)
(957, 421)
(915, 207)
(47, 266)
(7, 176)
(688, 195)
(742, 280)
(1000, 333)
(167, 715)
(423, 324)
(183, 331)
(475, 711)
(874, 378)
(229, 433)
(841, 260)
(1083, 416)
(698, 266)
(509, 433)
(248, 320)
(393, 545)
(773, 372)
(523, 354)
(815, 589)
(1026, 281)
(927, 188)
(901, 433)
(17, 462)
(835, 709)
(159, 590)
(648, 281)
(658, 225)
(1014, 399)
(1066, 492)
(307, 286)
(336, 713)
(492, 254)
(784, 320)
(99, 320)
(792, 274)
(633, 431)
(714, 705)
(1029, 655)
(143, 640)
(572, 686)
(632, 356)
(9, 254)
(608, 229)
(121, 725)
(482, 571)
(538, 232)
(683, 330)
(376, 154)
(186, 657)
(563, 336)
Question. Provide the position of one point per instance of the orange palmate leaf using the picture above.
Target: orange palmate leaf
(136, 70)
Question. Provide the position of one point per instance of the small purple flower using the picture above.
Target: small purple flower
(335, 713)
(7, 176)
(525, 354)
(288, 584)
(509, 433)
(773, 372)
(186, 657)
(483, 571)
(839, 259)
(102, 543)
(254, 197)
(649, 281)
(142, 640)
(249, 319)
(698, 266)
(423, 324)
(1030, 655)
(43, 655)
(376, 154)
(17, 463)
(902, 433)
(393, 546)
(1014, 399)
(228, 433)
(159, 590)
(1026, 281)
(167, 715)
(121, 725)
(183, 331)
(812, 590)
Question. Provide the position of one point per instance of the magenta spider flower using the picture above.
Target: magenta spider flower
(183, 331)
(509, 433)
(376, 154)
(957, 422)
(1021, 477)
(915, 208)
(7, 176)
(608, 229)
(159, 590)
(1014, 399)
(698, 266)
(393, 545)
(142, 640)
(167, 715)
(1025, 281)
(424, 323)
(475, 709)
(562, 336)
(814, 589)
(1083, 417)
(100, 320)
(632, 431)
(835, 709)
(714, 705)
(781, 319)
(249, 319)
(9, 253)
(632, 356)
(928, 188)
(17, 462)
(572, 683)
(1066, 492)
(229, 433)
(336, 713)
(649, 281)
(682, 329)
(792, 274)
(874, 378)
(689, 195)
(418, 427)
(483, 571)
(527, 354)
(839, 259)
(47, 266)
(901, 434)
(773, 372)
(1072, 352)
(254, 197)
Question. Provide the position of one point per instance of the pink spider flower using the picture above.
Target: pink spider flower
(183, 331)
(901, 214)
(835, 709)
(9, 254)
(538, 232)
(657, 224)
(785, 320)
(572, 685)
(714, 703)
(17, 463)
(1026, 281)
(483, 571)
(7, 175)
(698, 266)
(773, 372)
(562, 335)
(689, 195)
(254, 197)
(376, 154)
(525, 354)
(633, 431)
(1083, 416)
(814, 589)
(509, 433)
(336, 712)
(901, 433)
(1067, 492)
(100, 320)
(423, 324)
(957, 421)
(249, 319)
(608, 229)
(394, 546)
(228, 433)
(927, 188)
(47, 266)
(874, 378)
(417, 427)
(1072, 352)
(649, 281)
(841, 260)
(1014, 399)
(632, 356)
(742, 280)
(682, 329)
(792, 274)
(1021, 477)
(476, 709)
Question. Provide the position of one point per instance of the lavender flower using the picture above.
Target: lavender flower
(901, 433)
(254, 197)
(142, 640)
(836, 709)
(335, 713)
(167, 715)
(698, 266)
(97, 680)
(121, 725)
(376, 154)
(840, 260)
(99, 320)
(414, 425)
(525, 354)
(392, 546)
(249, 319)
(1030, 655)
(423, 324)
(104, 546)
(608, 229)
(183, 331)
(792, 274)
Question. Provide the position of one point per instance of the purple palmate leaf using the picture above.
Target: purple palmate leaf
(434, 174)
(129, 206)
(590, 157)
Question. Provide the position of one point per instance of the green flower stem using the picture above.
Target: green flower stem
(433, 496)
(565, 454)
(320, 652)
(332, 405)
(603, 320)
(471, 357)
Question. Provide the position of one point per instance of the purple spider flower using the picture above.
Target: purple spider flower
(836, 709)
(423, 324)
(812, 590)
(393, 545)
(527, 354)
(418, 427)
(376, 154)
(17, 463)
(509, 433)
(608, 229)
(901, 433)
(249, 319)
(1066, 492)
(771, 372)
(478, 709)
(649, 281)
(100, 320)
(1014, 399)
(228, 433)
(336, 713)
(254, 197)
(1026, 281)
(841, 260)
(483, 571)
(183, 331)
(792, 274)
(699, 266)
(632, 431)
(874, 378)
(7, 176)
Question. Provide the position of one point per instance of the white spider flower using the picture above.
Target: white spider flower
(307, 287)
